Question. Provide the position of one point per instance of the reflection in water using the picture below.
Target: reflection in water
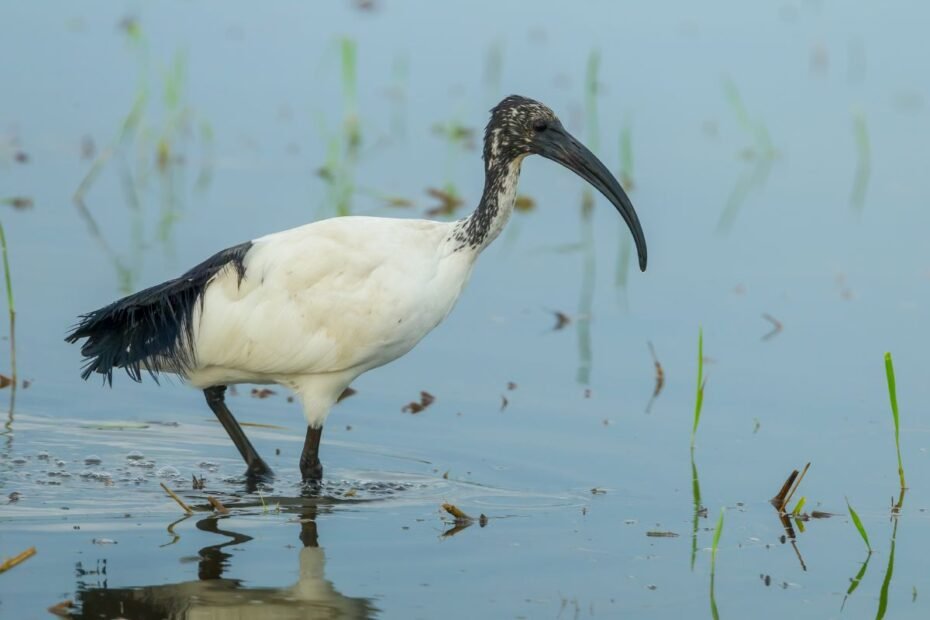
(216, 597)
(863, 162)
(342, 151)
(589, 255)
(855, 581)
(586, 302)
(699, 511)
(149, 139)
(886, 582)
(760, 150)
(750, 179)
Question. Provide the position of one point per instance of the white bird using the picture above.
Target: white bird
(314, 307)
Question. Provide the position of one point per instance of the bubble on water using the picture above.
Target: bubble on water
(60, 463)
(168, 472)
(135, 455)
(43, 455)
(142, 464)
(59, 474)
(92, 459)
(206, 464)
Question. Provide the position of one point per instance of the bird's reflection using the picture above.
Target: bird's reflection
(216, 597)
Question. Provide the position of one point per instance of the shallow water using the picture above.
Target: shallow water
(817, 220)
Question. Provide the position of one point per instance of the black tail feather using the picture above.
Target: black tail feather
(154, 328)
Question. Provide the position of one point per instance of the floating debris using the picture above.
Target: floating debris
(17, 202)
(197, 483)
(504, 402)
(13, 497)
(345, 394)
(350, 493)
(598, 491)
(660, 377)
(791, 485)
(511, 385)
(524, 204)
(103, 541)
(62, 609)
(561, 320)
(426, 399)
(661, 534)
(776, 326)
(217, 505)
(262, 393)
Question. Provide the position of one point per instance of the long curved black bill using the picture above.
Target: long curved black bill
(560, 146)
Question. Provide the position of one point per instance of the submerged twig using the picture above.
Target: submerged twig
(17, 559)
(175, 497)
(794, 488)
(460, 517)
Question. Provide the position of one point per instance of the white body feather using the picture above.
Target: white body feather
(322, 303)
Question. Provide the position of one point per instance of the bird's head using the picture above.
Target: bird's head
(521, 127)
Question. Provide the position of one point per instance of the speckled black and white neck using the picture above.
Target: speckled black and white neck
(479, 229)
(505, 146)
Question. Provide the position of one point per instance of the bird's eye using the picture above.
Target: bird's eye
(540, 125)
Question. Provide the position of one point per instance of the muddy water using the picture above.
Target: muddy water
(777, 158)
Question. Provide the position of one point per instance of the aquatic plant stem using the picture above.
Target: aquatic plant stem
(12, 307)
(893, 396)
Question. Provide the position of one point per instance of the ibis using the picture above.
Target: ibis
(313, 307)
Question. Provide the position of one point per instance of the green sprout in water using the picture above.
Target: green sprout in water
(858, 523)
(9, 299)
(893, 396)
(699, 397)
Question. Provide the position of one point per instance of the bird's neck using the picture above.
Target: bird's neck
(478, 230)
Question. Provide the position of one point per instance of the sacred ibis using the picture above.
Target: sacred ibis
(314, 307)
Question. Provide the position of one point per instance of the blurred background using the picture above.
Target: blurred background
(776, 155)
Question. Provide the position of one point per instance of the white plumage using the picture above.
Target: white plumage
(323, 303)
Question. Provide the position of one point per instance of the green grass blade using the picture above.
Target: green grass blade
(798, 506)
(11, 306)
(858, 523)
(893, 396)
(713, 548)
(699, 398)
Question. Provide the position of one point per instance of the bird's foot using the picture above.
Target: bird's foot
(258, 471)
(312, 471)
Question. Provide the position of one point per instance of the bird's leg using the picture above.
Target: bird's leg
(216, 399)
(310, 466)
